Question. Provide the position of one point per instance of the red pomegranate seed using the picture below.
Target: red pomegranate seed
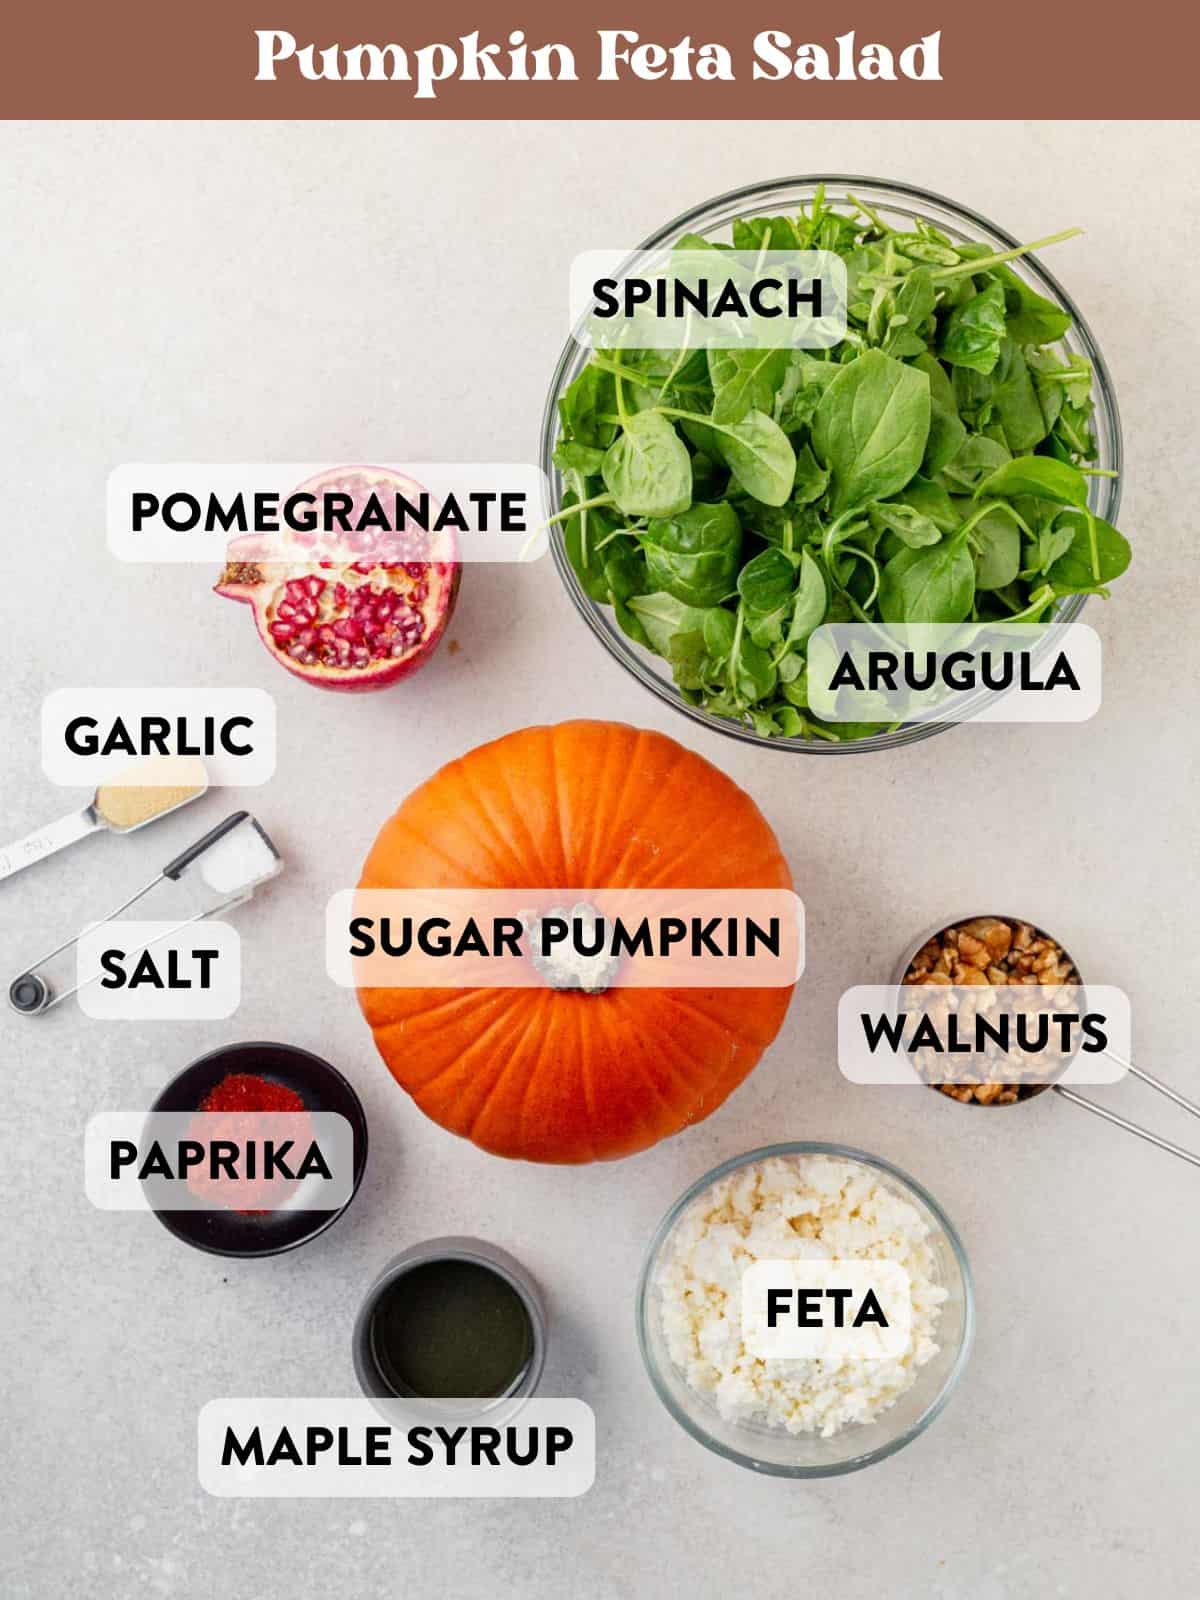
(347, 628)
(314, 585)
(281, 630)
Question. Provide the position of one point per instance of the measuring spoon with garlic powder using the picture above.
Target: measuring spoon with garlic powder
(1093, 1106)
(138, 794)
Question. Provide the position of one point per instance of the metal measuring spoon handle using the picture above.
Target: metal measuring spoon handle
(44, 842)
(1157, 1083)
(1133, 1127)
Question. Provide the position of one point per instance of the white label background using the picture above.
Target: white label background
(60, 708)
(789, 1341)
(146, 1003)
(226, 479)
(573, 1474)
(126, 1192)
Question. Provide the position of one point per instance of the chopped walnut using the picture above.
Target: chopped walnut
(991, 952)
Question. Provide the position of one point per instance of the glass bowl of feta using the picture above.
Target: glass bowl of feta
(821, 1209)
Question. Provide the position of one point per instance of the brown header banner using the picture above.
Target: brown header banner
(909, 59)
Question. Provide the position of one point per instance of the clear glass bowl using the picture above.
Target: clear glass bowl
(772, 1450)
(902, 204)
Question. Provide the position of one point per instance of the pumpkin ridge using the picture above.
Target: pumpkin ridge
(428, 847)
(499, 1022)
(543, 1043)
(695, 1010)
(584, 1056)
(468, 994)
(681, 759)
(454, 997)
(508, 860)
(629, 1060)
(568, 857)
(618, 809)
(514, 1059)
(529, 839)
(680, 1060)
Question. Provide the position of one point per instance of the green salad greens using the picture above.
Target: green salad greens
(931, 467)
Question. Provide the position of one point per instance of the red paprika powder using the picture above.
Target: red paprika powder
(244, 1091)
(236, 1096)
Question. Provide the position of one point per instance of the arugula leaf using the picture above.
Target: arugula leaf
(808, 610)
(907, 326)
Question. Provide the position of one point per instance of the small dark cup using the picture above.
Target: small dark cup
(225, 1232)
(376, 1386)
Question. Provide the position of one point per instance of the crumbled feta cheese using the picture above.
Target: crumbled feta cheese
(790, 1208)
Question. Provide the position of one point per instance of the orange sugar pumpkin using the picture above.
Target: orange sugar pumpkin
(548, 1074)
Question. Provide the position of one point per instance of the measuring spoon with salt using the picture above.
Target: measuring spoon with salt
(138, 794)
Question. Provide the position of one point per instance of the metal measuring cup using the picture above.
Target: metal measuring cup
(1068, 1094)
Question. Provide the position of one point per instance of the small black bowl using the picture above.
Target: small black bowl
(322, 1088)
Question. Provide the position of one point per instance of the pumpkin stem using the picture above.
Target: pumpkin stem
(568, 947)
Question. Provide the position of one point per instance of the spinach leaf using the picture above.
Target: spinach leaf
(664, 618)
(947, 431)
(695, 555)
(647, 470)
(871, 428)
(997, 548)
(744, 381)
(766, 588)
(912, 527)
(1036, 475)
(625, 573)
(571, 456)
(932, 585)
(808, 610)
(586, 540)
(1096, 555)
(974, 331)
(760, 456)
(585, 406)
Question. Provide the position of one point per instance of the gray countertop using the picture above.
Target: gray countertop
(228, 292)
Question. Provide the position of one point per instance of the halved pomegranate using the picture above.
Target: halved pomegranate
(341, 623)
